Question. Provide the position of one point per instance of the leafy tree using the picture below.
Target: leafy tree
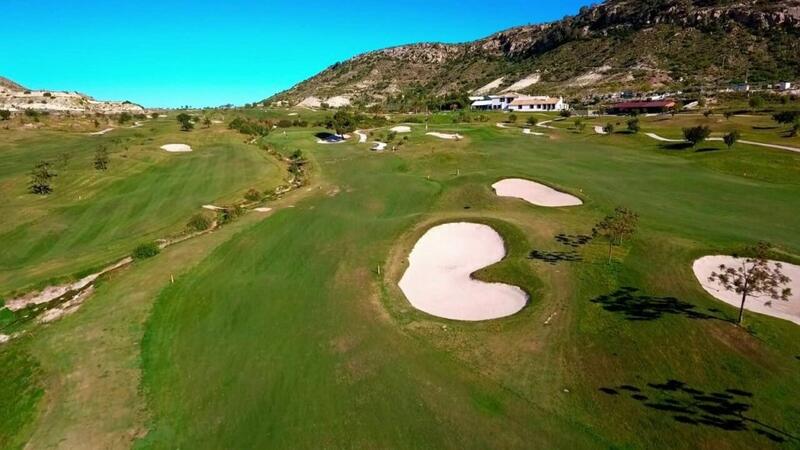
(753, 277)
(154, 115)
(342, 122)
(727, 115)
(696, 135)
(512, 118)
(566, 113)
(285, 123)
(146, 250)
(101, 158)
(5, 114)
(124, 117)
(532, 121)
(731, 138)
(609, 128)
(795, 128)
(207, 122)
(756, 102)
(786, 117)
(41, 178)
(579, 124)
(186, 122)
(616, 227)
(633, 125)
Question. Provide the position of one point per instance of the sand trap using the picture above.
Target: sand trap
(362, 137)
(212, 208)
(502, 125)
(4, 338)
(292, 114)
(263, 210)
(176, 148)
(532, 133)
(451, 137)
(217, 122)
(101, 132)
(599, 130)
(535, 193)
(438, 279)
(790, 310)
(379, 146)
(401, 129)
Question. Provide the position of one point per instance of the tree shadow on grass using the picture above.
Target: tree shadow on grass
(554, 258)
(724, 410)
(637, 307)
(678, 146)
(573, 240)
(707, 149)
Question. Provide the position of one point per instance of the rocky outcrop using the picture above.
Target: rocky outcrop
(14, 97)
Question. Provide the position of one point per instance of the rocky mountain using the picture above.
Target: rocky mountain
(618, 44)
(14, 97)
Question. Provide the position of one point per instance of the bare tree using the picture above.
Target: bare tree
(754, 276)
(616, 227)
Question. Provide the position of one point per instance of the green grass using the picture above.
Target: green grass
(291, 332)
(327, 353)
(94, 217)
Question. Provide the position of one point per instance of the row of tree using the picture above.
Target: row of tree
(44, 172)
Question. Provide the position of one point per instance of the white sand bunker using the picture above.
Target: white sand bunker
(535, 193)
(176, 148)
(401, 129)
(438, 279)
(263, 210)
(789, 310)
(101, 132)
(456, 137)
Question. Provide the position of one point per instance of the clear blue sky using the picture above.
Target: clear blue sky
(207, 53)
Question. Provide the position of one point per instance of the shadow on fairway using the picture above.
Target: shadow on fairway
(706, 150)
(554, 257)
(573, 240)
(723, 410)
(678, 146)
(637, 307)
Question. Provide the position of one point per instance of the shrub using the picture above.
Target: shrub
(41, 179)
(532, 121)
(609, 128)
(566, 113)
(124, 118)
(633, 125)
(697, 134)
(731, 138)
(786, 117)
(199, 222)
(101, 159)
(146, 250)
(252, 195)
(512, 118)
(246, 126)
(5, 114)
(285, 123)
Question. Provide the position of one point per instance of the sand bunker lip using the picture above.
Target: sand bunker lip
(448, 136)
(533, 133)
(789, 310)
(379, 146)
(438, 280)
(535, 193)
(401, 129)
(176, 148)
(362, 137)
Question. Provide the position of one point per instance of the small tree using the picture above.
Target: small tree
(101, 158)
(696, 135)
(633, 125)
(146, 250)
(756, 102)
(5, 114)
(727, 115)
(342, 122)
(609, 128)
(532, 121)
(512, 118)
(186, 122)
(707, 113)
(579, 124)
(252, 195)
(154, 115)
(124, 118)
(754, 276)
(731, 138)
(207, 122)
(566, 113)
(616, 227)
(786, 117)
(41, 178)
(199, 222)
(795, 128)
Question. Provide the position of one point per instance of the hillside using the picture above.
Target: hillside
(14, 97)
(634, 44)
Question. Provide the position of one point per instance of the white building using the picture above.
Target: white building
(783, 86)
(541, 103)
(494, 102)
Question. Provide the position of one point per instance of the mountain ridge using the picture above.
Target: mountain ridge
(612, 45)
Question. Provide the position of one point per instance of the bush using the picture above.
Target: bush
(566, 113)
(124, 118)
(285, 123)
(252, 195)
(5, 114)
(246, 126)
(609, 128)
(697, 134)
(146, 250)
(512, 118)
(785, 117)
(532, 121)
(633, 125)
(199, 222)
